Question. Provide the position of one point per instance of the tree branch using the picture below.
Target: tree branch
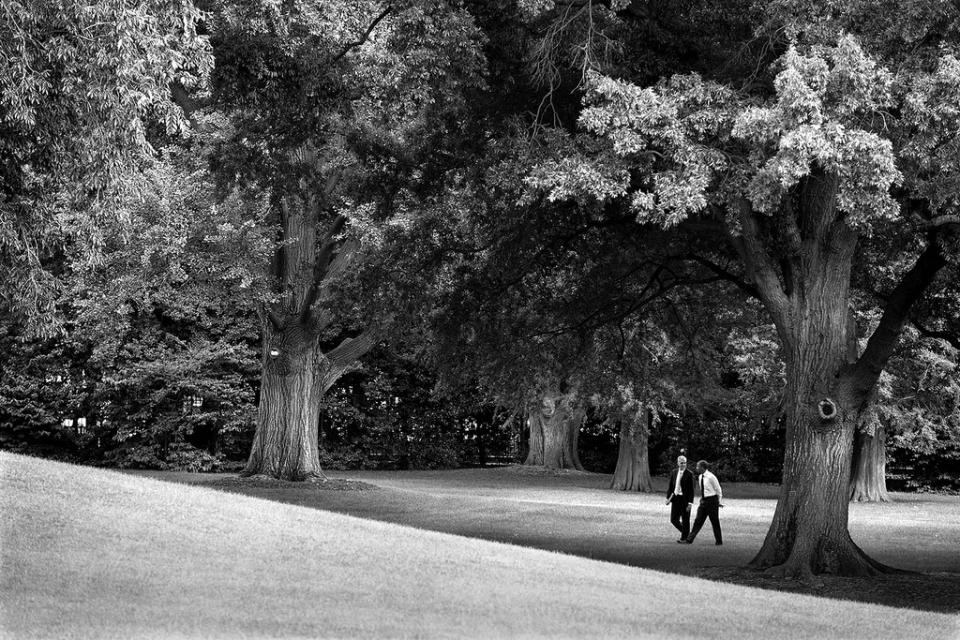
(363, 38)
(939, 221)
(895, 314)
(729, 276)
(274, 320)
(352, 349)
(951, 338)
(321, 266)
(759, 265)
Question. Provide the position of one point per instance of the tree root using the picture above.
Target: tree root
(804, 566)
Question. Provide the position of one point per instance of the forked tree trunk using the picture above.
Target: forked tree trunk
(633, 463)
(799, 259)
(296, 371)
(809, 301)
(554, 431)
(869, 480)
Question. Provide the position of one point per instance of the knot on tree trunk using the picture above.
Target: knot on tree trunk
(827, 409)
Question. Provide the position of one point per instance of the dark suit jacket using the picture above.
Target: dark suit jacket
(686, 485)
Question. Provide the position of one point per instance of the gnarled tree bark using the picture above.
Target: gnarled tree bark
(800, 260)
(633, 462)
(868, 482)
(296, 371)
(554, 431)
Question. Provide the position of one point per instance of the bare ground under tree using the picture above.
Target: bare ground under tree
(574, 512)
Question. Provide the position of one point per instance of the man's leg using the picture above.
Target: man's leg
(715, 523)
(697, 523)
(685, 521)
(676, 512)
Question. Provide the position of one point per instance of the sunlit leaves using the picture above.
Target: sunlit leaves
(81, 86)
(920, 402)
(822, 100)
(574, 178)
(695, 142)
(931, 147)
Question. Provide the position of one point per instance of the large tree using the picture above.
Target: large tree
(850, 135)
(336, 109)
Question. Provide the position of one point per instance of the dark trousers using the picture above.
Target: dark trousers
(680, 515)
(709, 508)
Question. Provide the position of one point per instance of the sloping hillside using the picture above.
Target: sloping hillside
(90, 553)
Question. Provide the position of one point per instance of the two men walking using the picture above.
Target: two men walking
(680, 498)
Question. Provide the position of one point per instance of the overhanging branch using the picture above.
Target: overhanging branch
(881, 344)
(364, 37)
(952, 339)
(727, 275)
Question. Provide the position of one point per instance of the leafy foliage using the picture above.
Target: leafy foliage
(84, 87)
(919, 404)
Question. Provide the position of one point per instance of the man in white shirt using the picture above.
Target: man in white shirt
(711, 499)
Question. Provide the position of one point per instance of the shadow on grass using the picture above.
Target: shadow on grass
(569, 514)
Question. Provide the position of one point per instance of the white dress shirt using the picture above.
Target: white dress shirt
(710, 486)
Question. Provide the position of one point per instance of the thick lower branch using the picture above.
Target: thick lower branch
(759, 265)
(880, 347)
(353, 349)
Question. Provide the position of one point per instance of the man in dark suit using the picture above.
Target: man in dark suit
(680, 497)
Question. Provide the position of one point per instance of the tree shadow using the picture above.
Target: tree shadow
(536, 526)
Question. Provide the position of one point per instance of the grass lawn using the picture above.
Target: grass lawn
(94, 553)
(575, 513)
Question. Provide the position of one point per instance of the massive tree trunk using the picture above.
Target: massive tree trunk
(296, 374)
(554, 430)
(809, 529)
(800, 261)
(286, 442)
(633, 463)
(296, 371)
(869, 480)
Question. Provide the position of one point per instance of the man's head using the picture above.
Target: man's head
(702, 466)
(682, 462)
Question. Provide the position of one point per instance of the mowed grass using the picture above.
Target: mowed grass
(576, 513)
(94, 553)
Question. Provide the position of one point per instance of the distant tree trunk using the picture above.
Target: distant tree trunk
(633, 463)
(296, 371)
(869, 479)
(481, 447)
(554, 430)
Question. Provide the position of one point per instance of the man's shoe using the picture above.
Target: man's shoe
(687, 541)
(719, 544)
(682, 540)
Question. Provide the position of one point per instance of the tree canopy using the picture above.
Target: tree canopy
(85, 92)
(611, 211)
